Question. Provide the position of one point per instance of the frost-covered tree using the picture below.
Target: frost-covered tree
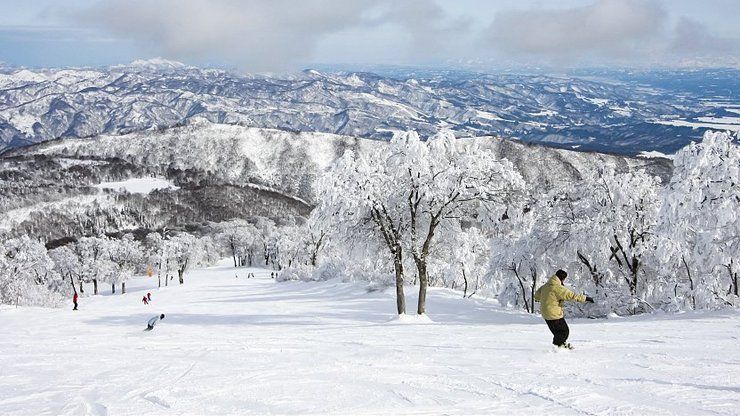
(602, 228)
(27, 275)
(210, 252)
(316, 237)
(127, 255)
(357, 202)
(442, 181)
(267, 238)
(184, 252)
(94, 260)
(68, 265)
(155, 254)
(460, 259)
(292, 246)
(701, 218)
(238, 237)
(406, 190)
(614, 234)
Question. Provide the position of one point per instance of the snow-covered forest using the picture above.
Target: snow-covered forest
(446, 212)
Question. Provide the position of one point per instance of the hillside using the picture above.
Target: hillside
(220, 171)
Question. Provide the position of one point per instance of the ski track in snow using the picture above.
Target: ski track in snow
(237, 346)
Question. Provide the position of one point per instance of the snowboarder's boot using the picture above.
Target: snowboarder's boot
(567, 346)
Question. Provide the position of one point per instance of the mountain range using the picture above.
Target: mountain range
(619, 112)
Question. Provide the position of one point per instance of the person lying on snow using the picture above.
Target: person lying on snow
(153, 321)
(552, 295)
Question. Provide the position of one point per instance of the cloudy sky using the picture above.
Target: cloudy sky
(278, 35)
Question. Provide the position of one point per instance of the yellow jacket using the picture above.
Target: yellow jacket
(552, 295)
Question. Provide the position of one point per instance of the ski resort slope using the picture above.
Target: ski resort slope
(236, 346)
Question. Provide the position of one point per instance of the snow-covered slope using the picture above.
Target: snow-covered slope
(232, 346)
(221, 172)
(566, 111)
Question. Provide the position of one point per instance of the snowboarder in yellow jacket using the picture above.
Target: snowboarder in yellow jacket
(552, 295)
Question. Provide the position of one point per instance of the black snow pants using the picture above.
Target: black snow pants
(559, 329)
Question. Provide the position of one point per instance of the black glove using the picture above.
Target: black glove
(589, 299)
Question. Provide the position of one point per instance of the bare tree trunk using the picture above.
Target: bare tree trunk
(421, 266)
(733, 278)
(71, 280)
(533, 271)
(515, 269)
(691, 282)
(391, 235)
(113, 288)
(477, 280)
(180, 274)
(123, 288)
(82, 290)
(398, 266)
(95, 286)
(316, 247)
(595, 275)
(465, 280)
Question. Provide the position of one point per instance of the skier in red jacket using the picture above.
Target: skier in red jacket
(74, 300)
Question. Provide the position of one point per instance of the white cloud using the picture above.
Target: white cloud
(258, 35)
(605, 32)
(606, 29)
(692, 37)
(268, 35)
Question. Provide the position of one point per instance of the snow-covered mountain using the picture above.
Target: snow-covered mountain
(573, 112)
(217, 172)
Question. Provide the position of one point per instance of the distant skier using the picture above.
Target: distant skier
(552, 295)
(145, 300)
(153, 321)
(149, 297)
(74, 300)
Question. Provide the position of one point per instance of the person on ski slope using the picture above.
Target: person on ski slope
(153, 321)
(74, 300)
(145, 300)
(552, 295)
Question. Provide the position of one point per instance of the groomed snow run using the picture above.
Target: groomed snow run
(236, 346)
(138, 185)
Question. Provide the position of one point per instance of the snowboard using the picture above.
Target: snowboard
(563, 348)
